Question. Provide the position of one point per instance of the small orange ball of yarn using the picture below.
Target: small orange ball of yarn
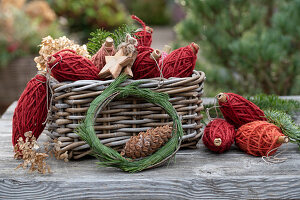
(258, 138)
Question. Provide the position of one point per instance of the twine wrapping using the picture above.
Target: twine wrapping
(66, 65)
(218, 135)
(180, 62)
(144, 35)
(31, 110)
(145, 66)
(99, 58)
(259, 138)
(238, 111)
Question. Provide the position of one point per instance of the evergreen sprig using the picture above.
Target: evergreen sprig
(266, 102)
(110, 157)
(98, 37)
(285, 123)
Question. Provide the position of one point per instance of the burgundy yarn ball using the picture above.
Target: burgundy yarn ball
(66, 65)
(238, 111)
(31, 110)
(99, 58)
(144, 35)
(180, 62)
(218, 135)
(145, 66)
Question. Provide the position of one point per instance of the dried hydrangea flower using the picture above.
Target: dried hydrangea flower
(28, 152)
(49, 46)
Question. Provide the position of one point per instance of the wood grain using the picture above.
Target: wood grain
(195, 174)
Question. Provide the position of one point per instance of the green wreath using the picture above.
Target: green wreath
(110, 157)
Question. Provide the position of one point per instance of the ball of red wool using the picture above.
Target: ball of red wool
(141, 49)
(218, 135)
(144, 65)
(144, 35)
(99, 58)
(31, 110)
(258, 138)
(66, 65)
(179, 63)
(144, 38)
(238, 111)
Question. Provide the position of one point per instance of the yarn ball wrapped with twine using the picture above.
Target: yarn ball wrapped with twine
(143, 35)
(66, 65)
(107, 49)
(180, 62)
(259, 138)
(238, 111)
(146, 64)
(218, 135)
(31, 111)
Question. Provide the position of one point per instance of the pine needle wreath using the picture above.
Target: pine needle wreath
(110, 157)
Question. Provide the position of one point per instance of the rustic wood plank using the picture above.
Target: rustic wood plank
(194, 174)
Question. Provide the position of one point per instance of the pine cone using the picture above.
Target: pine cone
(146, 143)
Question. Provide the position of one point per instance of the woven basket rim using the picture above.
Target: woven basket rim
(154, 82)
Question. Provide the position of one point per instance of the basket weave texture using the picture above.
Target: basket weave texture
(123, 118)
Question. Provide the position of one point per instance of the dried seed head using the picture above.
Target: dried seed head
(28, 152)
(49, 46)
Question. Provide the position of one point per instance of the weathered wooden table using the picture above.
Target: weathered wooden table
(195, 174)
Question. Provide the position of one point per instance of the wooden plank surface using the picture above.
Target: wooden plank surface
(195, 174)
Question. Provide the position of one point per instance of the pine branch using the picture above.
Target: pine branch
(285, 123)
(266, 102)
(98, 37)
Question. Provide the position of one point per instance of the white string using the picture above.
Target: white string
(213, 107)
(48, 87)
(274, 159)
(161, 77)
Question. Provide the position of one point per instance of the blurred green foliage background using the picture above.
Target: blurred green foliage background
(247, 47)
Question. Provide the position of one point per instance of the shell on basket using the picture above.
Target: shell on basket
(123, 118)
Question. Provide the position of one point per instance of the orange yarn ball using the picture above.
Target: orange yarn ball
(258, 138)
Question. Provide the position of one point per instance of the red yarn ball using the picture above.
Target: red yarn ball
(218, 135)
(180, 62)
(141, 49)
(258, 138)
(66, 65)
(99, 58)
(31, 110)
(143, 36)
(145, 66)
(238, 111)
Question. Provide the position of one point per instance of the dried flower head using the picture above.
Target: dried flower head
(28, 152)
(49, 46)
(56, 150)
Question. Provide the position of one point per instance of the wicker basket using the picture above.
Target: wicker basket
(123, 118)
